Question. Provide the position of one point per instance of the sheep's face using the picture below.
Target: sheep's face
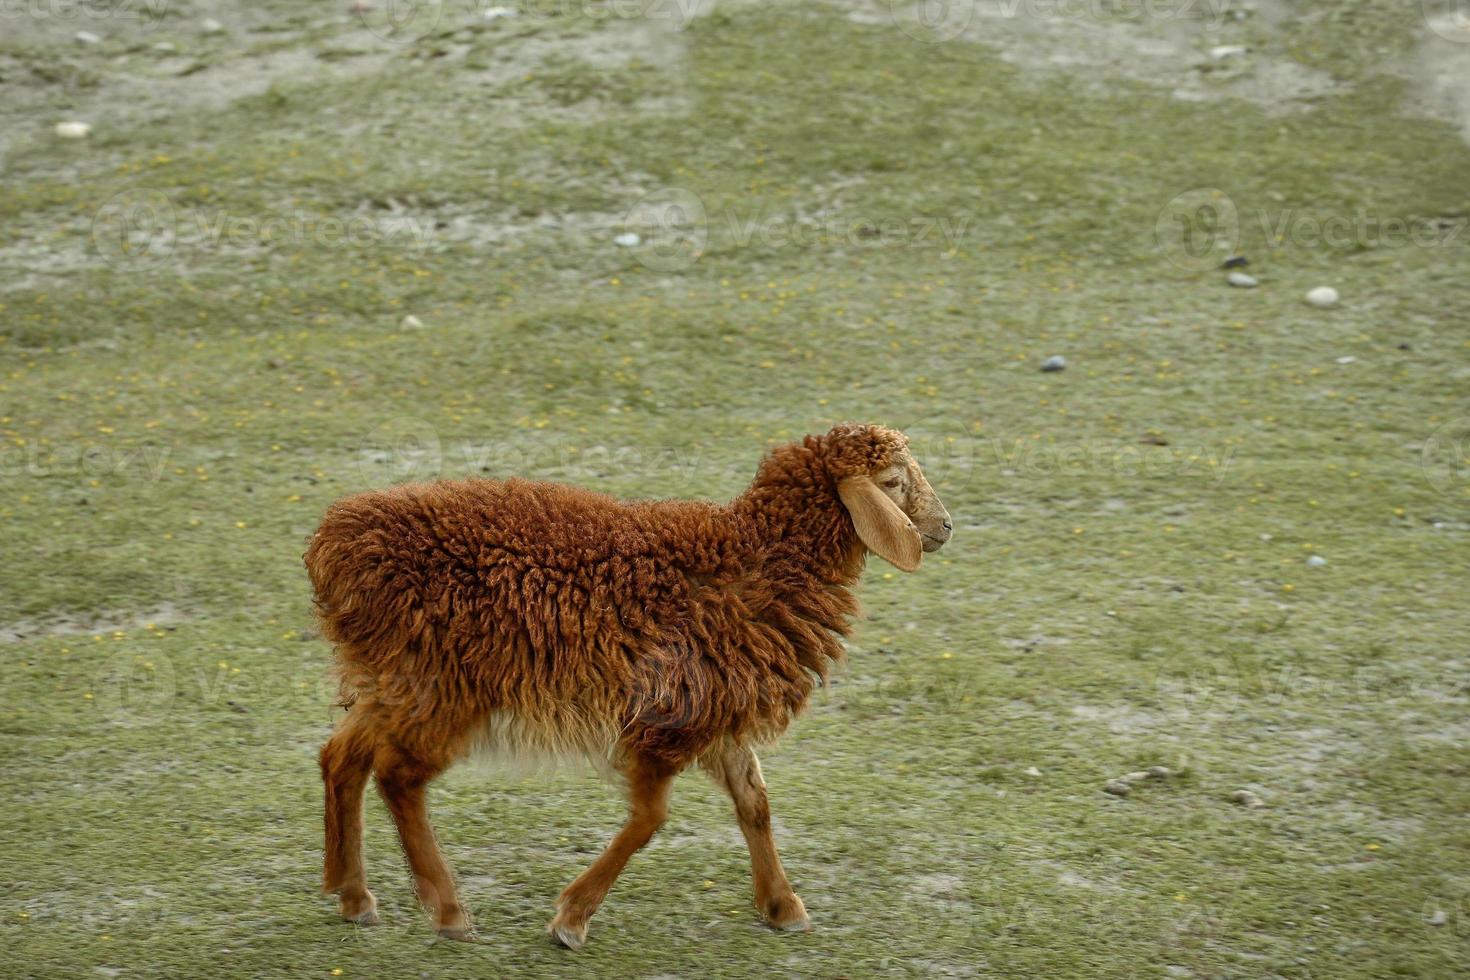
(894, 510)
(904, 484)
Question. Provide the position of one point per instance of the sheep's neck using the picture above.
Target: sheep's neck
(800, 532)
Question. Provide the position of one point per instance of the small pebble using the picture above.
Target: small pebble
(499, 13)
(1054, 363)
(1159, 772)
(1323, 296)
(73, 130)
(1439, 918)
(1118, 788)
(627, 239)
(211, 26)
(411, 322)
(1223, 51)
(1032, 771)
(1135, 777)
(87, 37)
(164, 47)
(1242, 280)
(1316, 561)
(1247, 799)
(1347, 359)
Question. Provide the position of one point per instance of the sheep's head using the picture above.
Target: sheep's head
(895, 511)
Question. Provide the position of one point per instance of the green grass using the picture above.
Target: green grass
(174, 424)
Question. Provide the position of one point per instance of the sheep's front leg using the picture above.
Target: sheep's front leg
(739, 771)
(648, 798)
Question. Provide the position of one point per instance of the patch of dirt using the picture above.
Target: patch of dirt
(165, 615)
(1171, 48)
(1441, 71)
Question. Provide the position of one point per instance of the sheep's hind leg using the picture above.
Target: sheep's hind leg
(648, 797)
(346, 760)
(402, 780)
(737, 769)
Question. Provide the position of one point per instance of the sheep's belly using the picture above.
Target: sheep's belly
(527, 742)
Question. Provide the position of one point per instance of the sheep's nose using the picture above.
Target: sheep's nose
(948, 526)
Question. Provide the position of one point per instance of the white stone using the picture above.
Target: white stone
(87, 37)
(1242, 280)
(499, 13)
(211, 26)
(1223, 51)
(1316, 561)
(73, 130)
(411, 322)
(1322, 296)
(627, 239)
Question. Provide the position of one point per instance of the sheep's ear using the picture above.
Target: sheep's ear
(883, 527)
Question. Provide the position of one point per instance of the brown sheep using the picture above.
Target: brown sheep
(645, 635)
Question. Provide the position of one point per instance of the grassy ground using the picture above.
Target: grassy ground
(203, 339)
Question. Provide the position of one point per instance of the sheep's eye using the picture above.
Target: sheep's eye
(893, 483)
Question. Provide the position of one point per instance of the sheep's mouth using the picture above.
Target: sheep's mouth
(931, 543)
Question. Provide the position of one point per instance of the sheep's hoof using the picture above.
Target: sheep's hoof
(363, 911)
(570, 936)
(460, 934)
(787, 914)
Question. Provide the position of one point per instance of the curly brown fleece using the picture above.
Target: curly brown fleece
(532, 615)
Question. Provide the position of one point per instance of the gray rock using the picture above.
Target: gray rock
(1247, 799)
(1117, 788)
(1054, 363)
